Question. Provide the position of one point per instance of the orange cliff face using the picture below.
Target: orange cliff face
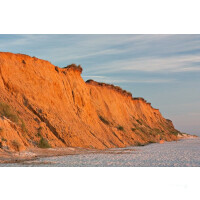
(58, 105)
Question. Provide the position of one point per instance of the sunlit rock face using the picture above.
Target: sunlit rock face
(58, 105)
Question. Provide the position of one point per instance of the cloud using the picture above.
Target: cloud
(152, 64)
(112, 53)
(107, 79)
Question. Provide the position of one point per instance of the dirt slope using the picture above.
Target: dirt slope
(58, 105)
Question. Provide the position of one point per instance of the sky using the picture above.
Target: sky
(163, 69)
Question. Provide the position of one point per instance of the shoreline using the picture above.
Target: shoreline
(33, 154)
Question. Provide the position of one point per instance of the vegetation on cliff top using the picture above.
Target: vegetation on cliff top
(75, 67)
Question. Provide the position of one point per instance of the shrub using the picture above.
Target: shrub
(3, 139)
(23, 61)
(16, 145)
(138, 121)
(44, 143)
(75, 67)
(39, 132)
(23, 126)
(150, 142)
(139, 144)
(133, 129)
(6, 111)
(121, 128)
(175, 133)
(103, 120)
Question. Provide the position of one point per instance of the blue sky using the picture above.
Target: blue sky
(164, 69)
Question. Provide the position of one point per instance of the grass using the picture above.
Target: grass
(121, 128)
(43, 143)
(23, 126)
(175, 133)
(39, 131)
(104, 120)
(6, 111)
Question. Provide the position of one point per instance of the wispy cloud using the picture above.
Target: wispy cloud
(107, 79)
(112, 52)
(168, 65)
(152, 64)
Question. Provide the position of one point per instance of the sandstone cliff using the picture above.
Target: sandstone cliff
(39, 100)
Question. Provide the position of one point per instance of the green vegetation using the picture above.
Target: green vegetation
(133, 129)
(39, 131)
(16, 145)
(104, 120)
(138, 121)
(121, 128)
(44, 143)
(139, 144)
(6, 111)
(23, 126)
(3, 139)
(1, 129)
(150, 142)
(175, 132)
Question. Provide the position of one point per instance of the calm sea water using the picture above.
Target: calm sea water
(184, 153)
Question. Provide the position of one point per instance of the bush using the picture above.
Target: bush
(39, 132)
(104, 120)
(23, 126)
(175, 132)
(16, 145)
(44, 143)
(133, 129)
(1, 129)
(121, 128)
(3, 139)
(150, 142)
(6, 111)
(139, 144)
(75, 67)
(138, 121)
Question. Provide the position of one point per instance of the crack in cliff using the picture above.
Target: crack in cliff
(43, 119)
(117, 137)
(4, 82)
(98, 139)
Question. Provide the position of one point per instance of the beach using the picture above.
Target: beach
(183, 153)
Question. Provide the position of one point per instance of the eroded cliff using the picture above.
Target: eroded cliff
(57, 105)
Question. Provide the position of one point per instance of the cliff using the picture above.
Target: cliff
(40, 101)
